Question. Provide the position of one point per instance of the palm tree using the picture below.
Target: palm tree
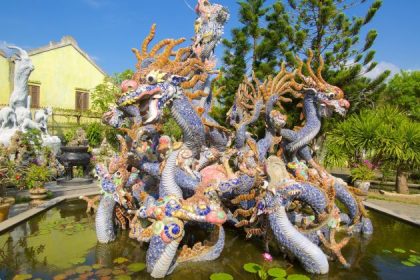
(385, 135)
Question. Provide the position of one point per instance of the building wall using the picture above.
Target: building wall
(61, 71)
(4, 80)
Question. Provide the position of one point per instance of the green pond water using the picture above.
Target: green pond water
(61, 244)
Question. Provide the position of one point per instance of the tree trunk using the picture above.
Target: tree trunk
(401, 183)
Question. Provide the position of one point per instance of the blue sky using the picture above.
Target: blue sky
(108, 29)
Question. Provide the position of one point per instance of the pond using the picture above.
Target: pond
(61, 244)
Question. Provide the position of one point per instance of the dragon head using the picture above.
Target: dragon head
(277, 119)
(208, 27)
(159, 77)
(329, 98)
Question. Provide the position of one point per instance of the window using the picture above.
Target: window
(34, 94)
(82, 100)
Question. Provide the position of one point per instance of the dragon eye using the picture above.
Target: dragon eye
(151, 79)
(331, 95)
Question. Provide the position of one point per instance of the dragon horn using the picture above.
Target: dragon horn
(319, 71)
(308, 66)
(148, 39)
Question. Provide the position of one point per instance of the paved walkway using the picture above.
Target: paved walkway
(406, 212)
(23, 211)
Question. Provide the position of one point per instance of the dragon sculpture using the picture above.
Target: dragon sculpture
(163, 191)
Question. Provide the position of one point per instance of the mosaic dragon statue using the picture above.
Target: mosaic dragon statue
(163, 191)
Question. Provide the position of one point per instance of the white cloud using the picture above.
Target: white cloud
(381, 67)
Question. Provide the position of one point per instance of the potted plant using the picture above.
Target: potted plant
(5, 202)
(35, 178)
(362, 174)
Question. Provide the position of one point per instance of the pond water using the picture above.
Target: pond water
(61, 244)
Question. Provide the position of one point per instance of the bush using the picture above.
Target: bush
(170, 127)
(363, 173)
(95, 133)
(69, 135)
(36, 176)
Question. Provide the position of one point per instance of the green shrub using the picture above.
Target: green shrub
(95, 133)
(362, 173)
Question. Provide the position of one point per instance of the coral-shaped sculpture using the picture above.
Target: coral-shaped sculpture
(266, 187)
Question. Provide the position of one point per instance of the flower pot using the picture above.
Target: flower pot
(5, 205)
(38, 194)
(362, 185)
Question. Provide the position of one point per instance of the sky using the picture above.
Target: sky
(108, 29)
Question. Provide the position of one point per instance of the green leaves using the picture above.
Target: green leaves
(221, 276)
(399, 250)
(277, 272)
(372, 11)
(104, 94)
(298, 277)
(78, 260)
(385, 135)
(370, 39)
(120, 260)
(408, 263)
(404, 91)
(22, 277)
(136, 267)
(252, 267)
(412, 259)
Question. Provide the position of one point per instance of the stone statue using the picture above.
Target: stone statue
(17, 116)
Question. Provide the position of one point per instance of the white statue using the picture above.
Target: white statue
(18, 115)
(19, 99)
(7, 118)
(41, 117)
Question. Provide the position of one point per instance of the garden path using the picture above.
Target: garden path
(404, 211)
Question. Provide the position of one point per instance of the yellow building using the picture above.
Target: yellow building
(63, 77)
(4, 79)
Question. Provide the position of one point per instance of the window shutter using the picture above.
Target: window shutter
(78, 100)
(34, 93)
(85, 101)
(82, 100)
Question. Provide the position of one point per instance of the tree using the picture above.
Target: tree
(403, 90)
(326, 28)
(244, 40)
(105, 93)
(271, 35)
(104, 96)
(386, 136)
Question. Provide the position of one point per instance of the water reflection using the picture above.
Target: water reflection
(67, 234)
